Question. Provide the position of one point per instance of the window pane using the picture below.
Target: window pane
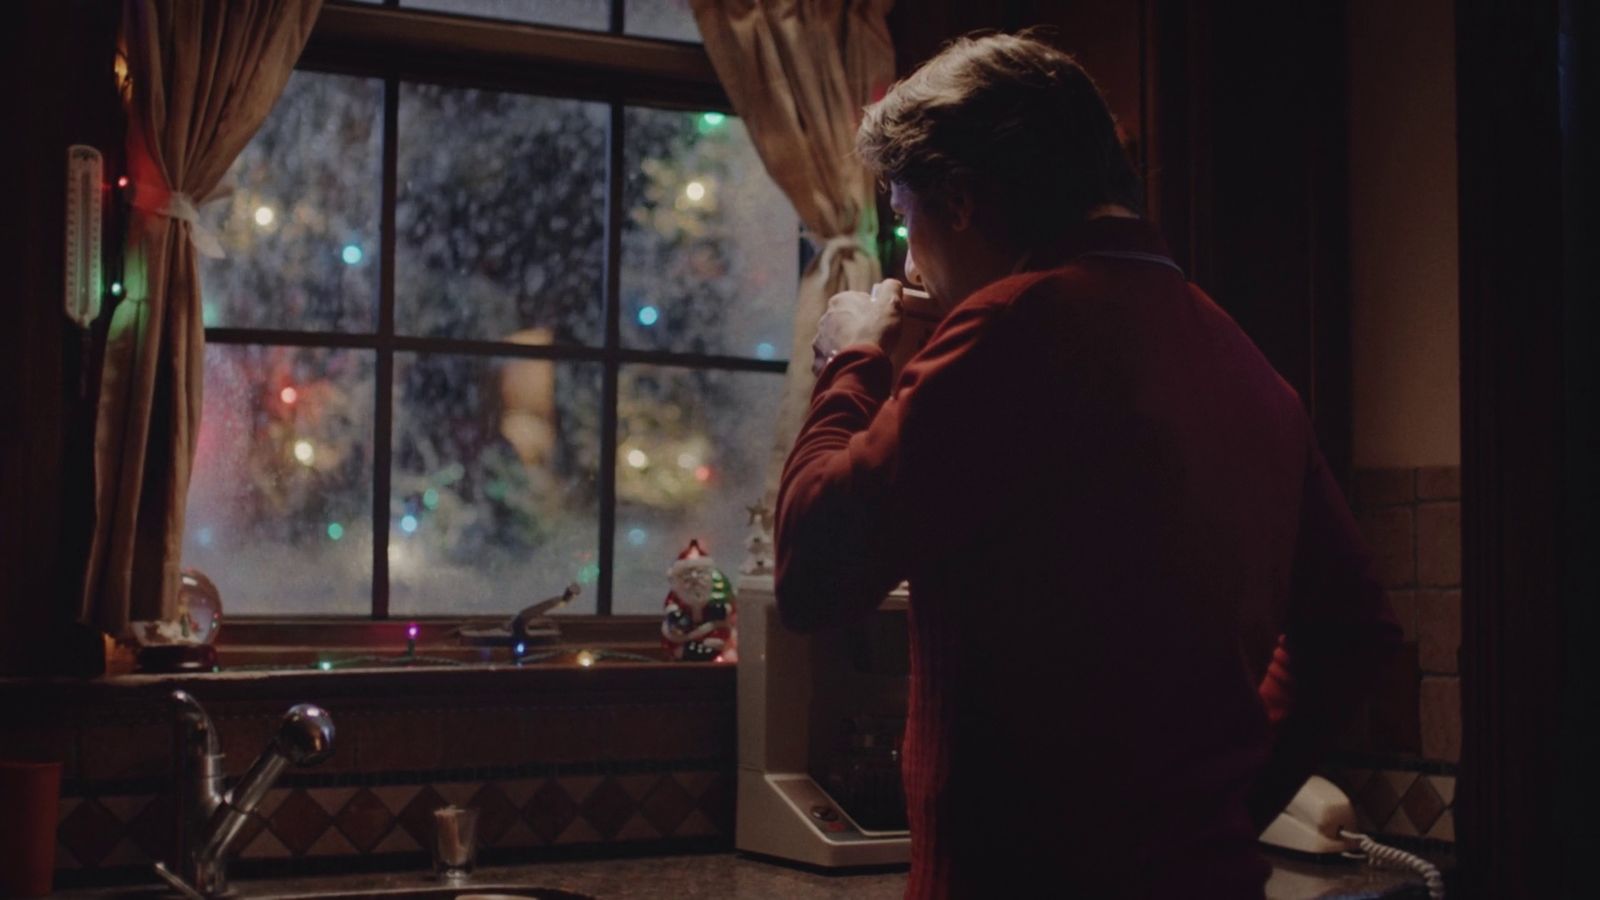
(301, 228)
(710, 252)
(501, 216)
(494, 503)
(280, 504)
(661, 19)
(589, 14)
(691, 455)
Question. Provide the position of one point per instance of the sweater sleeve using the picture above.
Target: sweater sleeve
(873, 460)
(1340, 634)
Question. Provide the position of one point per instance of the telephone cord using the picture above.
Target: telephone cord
(1377, 854)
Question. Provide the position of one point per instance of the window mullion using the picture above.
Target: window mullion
(383, 414)
(610, 380)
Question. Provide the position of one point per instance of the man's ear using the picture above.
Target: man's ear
(960, 203)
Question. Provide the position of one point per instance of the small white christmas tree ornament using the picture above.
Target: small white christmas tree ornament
(758, 544)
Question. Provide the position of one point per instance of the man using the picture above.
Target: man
(1107, 503)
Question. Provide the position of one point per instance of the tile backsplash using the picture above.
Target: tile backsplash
(557, 763)
(687, 805)
(1401, 803)
(1398, 761)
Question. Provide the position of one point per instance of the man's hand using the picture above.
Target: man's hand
(854, 317)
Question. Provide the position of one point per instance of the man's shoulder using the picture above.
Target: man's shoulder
(1064, 282)
(1047, 299)
(1010, 289)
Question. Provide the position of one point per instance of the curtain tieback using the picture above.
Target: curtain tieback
(833, 247)
(177, 205)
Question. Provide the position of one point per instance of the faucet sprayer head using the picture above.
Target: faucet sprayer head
(305, 736)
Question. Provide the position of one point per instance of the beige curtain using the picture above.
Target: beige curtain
(204, 74)
(799, 73)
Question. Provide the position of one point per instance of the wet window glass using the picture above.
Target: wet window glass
(298, 214)
(497, 366)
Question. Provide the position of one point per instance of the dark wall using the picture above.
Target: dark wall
(1247, 165)
(1578, 730)
(60, 55)
(1525, 125)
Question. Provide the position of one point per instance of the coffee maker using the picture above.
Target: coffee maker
(821, 717)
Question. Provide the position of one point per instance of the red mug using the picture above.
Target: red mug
(30, 795)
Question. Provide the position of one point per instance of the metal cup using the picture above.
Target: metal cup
(455, 842)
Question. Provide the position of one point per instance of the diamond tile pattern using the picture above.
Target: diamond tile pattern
(332, 843)
(90, 832)
(265, 846)
(397, 842)
(125, 853)
(396, 797)
(549, 811)
(1399, 824)
(299, 822)
(667, 805)
(64, 858)
(126, 809)
(151, 830)
(608, 808)
(496, 813)
(417, 817)
(516, 812)
(1397, 802)
(1446, 786)
(364, 820)
(1422, 805)
(717, 802)
(253, 827)
(1378, 800)
(332, 799)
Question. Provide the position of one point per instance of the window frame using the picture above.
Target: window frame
(395, 45)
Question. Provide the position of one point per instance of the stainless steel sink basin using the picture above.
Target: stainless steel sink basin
(308, 889)
(490, 891)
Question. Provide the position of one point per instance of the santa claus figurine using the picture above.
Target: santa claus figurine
(699, 621)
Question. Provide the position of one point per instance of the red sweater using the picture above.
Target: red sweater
(1109, 506)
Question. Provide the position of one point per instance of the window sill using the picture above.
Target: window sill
(433, 632)
(262, 645)
(479, 681)
(269, 659)
(142, 696)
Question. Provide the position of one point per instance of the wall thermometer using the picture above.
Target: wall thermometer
(84, 274)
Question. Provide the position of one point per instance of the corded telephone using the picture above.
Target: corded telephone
(1320, 820)
(1313, 820)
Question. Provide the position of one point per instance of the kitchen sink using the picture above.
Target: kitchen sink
(302, 890)
(429, 892)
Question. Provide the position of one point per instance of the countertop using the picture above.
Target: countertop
(729, 876)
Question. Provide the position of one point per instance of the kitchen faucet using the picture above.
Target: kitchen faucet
(210, 819)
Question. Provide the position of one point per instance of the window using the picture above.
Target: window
(670, 19)
(488, 324)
